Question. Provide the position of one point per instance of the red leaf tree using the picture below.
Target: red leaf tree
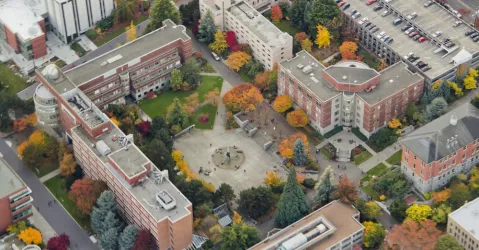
(276, 13)
(144, 241)
(231, 38)
(85, 192)
(59, 242)
(413, 235)
(144, 127)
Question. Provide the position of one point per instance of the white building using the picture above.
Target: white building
(269, 44)
(69, 19)
(463, 224)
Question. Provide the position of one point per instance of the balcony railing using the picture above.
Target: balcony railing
(22, 205)
(14, 198)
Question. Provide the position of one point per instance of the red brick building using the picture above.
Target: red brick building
(15, 199)
(349, 93)
(145, 195)
(23, 28)
(441, 149)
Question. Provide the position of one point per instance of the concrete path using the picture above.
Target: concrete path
(59, 219)
(380, 157)
(87, 44)
(50, 175)
(28, 92)
(40, 223)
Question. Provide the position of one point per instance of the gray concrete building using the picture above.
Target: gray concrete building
(463, 224)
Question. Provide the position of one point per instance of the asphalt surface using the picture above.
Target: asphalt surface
(28, 92)
(58, 218)
(472, 5)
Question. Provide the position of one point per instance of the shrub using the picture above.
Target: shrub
(106, 23)
(91, 33)
(204, 118)
(309, 183)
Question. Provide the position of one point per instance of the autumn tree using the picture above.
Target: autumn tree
(372, 210)
(37, 137)
(374, 234)
(394, 123)
(261, 80)
(440, 213)
(59, 242)
(297, 118)
(176, 80)
(292, 205)
(307, 45)
(67, 165)
(346, 191)
(242, 97)
(85, 192)
(324, 186)
(131, 32)
(300, 158)
(176, 114)
(21, 148)
(31, 235)
(322, 12)
(213, 96)
(19, 124)
(457, 90)
(323, 38)
(348, 50)
(220, 44)
(191, 103)
(441, 196)
(286, 146)
(419, 212)
(144, 241)
(413, 235)
(272, 179)
(282, 103)
(276, 14)
(236, 217)
(237, 60)
(470, 81)
(299, 37)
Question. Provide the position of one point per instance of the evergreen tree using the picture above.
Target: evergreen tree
(293, 204)
(159, 12)
(104, 204)
(306, 11)
(299, 153)
(322, 12)
(207, 29)
(176, 114)
(325, 186)
(437, 108)
(296, 12)
(111, 221)
(128, 237)
(109, 240)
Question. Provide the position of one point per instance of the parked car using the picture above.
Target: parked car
(426, 68)
(437, 33)
(366, 24)
(390, 41)
(475, 39)
(475, 34)
(374, 30)
(346, 6)
(408, 31)
(385, 13)
(353, 12)
(408, 55)
(383, 33)
(412, 34)
(377, 8)
(428, 3)
(365, 19)
(412, 16)
(384, 38)
(422, 39)
(338, 1)
(340, 4)
(456, 24)
(215, 56)
(369, 2)
(406, 27)
(356, 16)
(372, 26)
(397, 21)
(413, 58)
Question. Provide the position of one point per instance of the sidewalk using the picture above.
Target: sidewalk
(86, 43)
(50, 175)
(380, 157)
(220, 121)
(42, 225)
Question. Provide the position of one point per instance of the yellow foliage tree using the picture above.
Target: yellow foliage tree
(131, 32)
(31, 236)
(220, 44)
(457, 90)
(474, 73)
(21, 148)
(297, 118)
(99, 32)
(286, 146)
(183, 167)
(115, 121)
(177, 155)
(272, 179)
(236, 217)
(470, 82)
(282, 103)
(441, 196)
(191, 103)
(307, 45)
(382, 197)
(323, 38)
(237, 60)
(67, 165)
(437, 84)
(394, 123)
(419, 212)
(37, 137)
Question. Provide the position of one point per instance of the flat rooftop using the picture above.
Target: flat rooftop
(22, 17)
(392, 79)
(129, 53)
(339, 215)
(9, 180)
(130, 161)
(468, 217)
(56, 78)
(259, 25)
(354, 75)
(430, 19)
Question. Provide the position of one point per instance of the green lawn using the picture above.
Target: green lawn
(370, 191)
(15, 83)
(376, 171)
(287, 26)
(157, 106)
(395, 159)
(55, 187)
(362, 157)
(120, 30)
(326, 153)
(210, 110)
(78, 49)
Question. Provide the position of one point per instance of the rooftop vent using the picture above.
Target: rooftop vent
(307, 69)
(453, 120)
(300, 66)
(370, 88)
(391, 80)
(314, 79)
(102, 148)
(345, 77)
(111, 60)
(166, 200)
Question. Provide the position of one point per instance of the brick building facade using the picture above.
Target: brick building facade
(348, 94)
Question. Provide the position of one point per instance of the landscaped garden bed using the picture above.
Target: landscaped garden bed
(329, 151)
(359, 155)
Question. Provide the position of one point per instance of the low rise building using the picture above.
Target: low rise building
(334, 226)
(269, 44)
(441, 149)
(15, 199)
(463, 224)
(350, 93)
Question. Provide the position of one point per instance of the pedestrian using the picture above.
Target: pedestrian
(244, 170)
(338, 166)
(38, 208)
(54, 201)
(210, 144)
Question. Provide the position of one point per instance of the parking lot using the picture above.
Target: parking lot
(429, 20)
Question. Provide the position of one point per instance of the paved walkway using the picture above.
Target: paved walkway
(87, 44)
(28, 92)
(50, 175)
(40, 223)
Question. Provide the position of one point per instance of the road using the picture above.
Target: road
(55, 215)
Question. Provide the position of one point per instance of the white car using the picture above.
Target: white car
(215, 56)
(409, 31)
(412, 15)
(385, 13)
(383, 33)
(408, 55)
(437, 33)
(365, 19)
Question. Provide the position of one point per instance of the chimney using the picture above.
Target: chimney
(453, 120)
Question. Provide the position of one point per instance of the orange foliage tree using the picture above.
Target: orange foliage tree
(299, 178)
(300, 36)
(213, 96)
(276, 13)
(346, 191)
(38, 137)
(282, 103)
(191, 103)
(261, 80)
(411, 235)
(441, 196)
(394, 123)
(21, 148)
(242, 97)
(85, 192)
(297, 118)
(237, 60)
(348, 50)
(286, 146)
(19, 124)
(272, 179)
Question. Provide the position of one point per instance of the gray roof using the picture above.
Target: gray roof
(10, 182)
(430, 141)
(129, 52)
(351, 75)
(468, 217)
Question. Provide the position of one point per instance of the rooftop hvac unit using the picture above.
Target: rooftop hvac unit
(102, 148)
(307, 69)
(294, 242)
(300, 66)
(321, 228)
(166, 200)
(314, 79)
